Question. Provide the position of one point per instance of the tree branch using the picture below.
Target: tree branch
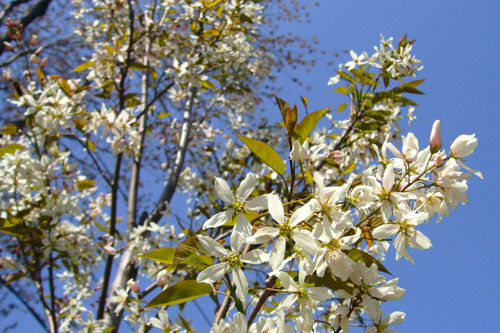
(37, 11)
(25, 304)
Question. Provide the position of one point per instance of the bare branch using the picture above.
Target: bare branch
(37, 11)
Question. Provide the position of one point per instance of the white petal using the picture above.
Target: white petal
(243, 226)
(213, 247)
(218, 219)
(213, 273)
(223, 190)
(277, 253)
(420, 241)
(287, 282)
(306, 312)
(255, 257)
(258, 203)
(320, 294)
(236, 241)
(300, 215)
(388, 180)
(276, 208)
(394, 150)
(395, 318)
(306, 242)
(246, 187)
(156, 323)
(263, 235)
(385, 231)
(474, 172)
(240, 281)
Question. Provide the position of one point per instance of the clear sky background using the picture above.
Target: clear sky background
(454, 286)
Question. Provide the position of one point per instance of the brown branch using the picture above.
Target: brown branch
(37, 11)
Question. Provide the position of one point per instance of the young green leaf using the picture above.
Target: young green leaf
(181, 292)
(305, 127)
(267, 154)
(185, 249)
(9, 149)
(84, 66)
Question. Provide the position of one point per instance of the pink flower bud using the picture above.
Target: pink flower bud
(34, 58)
(33, 40)
(133, 286)
(435, 140)
(39, 50)
(8, 46)
(336, 154)
(7, 74)
(43, 63)
(438, 161)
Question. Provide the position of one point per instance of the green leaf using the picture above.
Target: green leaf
(185, 249)
(367, 259)
(181, 292)
(85, 184)
(342, 90)
(84, 66)
(350, 168)
(163, 115)
(10, 129)
(306, 126)
(266, 154)
(341, 107)
(137, 66)
(164, 255)
(9, 149)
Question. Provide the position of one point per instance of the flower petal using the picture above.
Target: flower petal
(223, 190)
(246, 187)
(213, 273)
(258, 203)
(218, 219)
(276, 208)
(241, 283)
(255, 257)
(213, 247)
(243, 226)
(277, 253)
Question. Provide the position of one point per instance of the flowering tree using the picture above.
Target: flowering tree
(285, 226)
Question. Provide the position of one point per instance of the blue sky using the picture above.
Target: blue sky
(454, 286)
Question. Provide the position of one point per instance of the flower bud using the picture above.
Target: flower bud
(435, 139)
(133, 286)
(33, 40)
(7, 74)
(463, 146)
(438, 161)
(43, 63)
(8, 46)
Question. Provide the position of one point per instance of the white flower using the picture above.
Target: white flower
(238, 205)
(381, 325)
(299, 152)
(463, 146)
(163, 322)
(286, 229)
(406, 234)
(230, 260)
(305, 296)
